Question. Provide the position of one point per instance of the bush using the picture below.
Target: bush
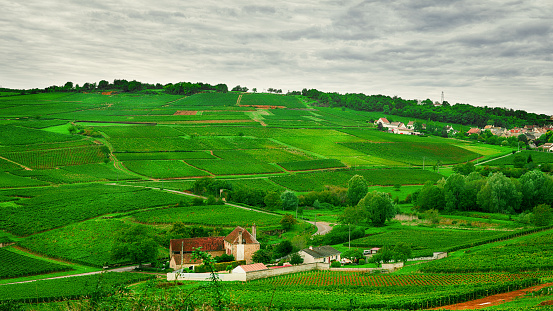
(219, 266)
(361, 261)
(335, 264)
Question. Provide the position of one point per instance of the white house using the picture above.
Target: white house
(546, 147)
(324, 254)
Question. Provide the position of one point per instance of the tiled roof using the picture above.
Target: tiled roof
(253, 267)
(207, 244)
(321, 251)
(232, 238)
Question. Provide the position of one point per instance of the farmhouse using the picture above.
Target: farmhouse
(239, 243)
(324, 254)
(546, 147)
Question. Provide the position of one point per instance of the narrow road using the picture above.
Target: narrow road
(322, 227)
(123, 269)
(495, 158)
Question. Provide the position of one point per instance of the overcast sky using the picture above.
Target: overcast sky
(481, 52)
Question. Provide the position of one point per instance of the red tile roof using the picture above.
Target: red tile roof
(232, 238)
(207, 244)
(253, 267)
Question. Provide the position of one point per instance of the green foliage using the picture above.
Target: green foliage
(542, 215)
(135, 245)
(357, 189)
(353, 254)
(224, 258)
(52, 158)
(379, 207)
(272, 200)
(289, 201)
(288, 221)
(499, 195)
(218, 266)
(16, 265)
(262, 256)
(335, 264)
(296, 259)
(340, 234)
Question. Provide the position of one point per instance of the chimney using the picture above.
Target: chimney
(239, 237)
(254, 232)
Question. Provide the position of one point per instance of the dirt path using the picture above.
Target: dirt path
(493, 300)
(322, 227)
(22, 166)
(495, 159)
(123, 269)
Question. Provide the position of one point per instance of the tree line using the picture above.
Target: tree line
(464, 114)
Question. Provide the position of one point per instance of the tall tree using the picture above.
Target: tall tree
(357, 189)
(499, 195)
(379, 207)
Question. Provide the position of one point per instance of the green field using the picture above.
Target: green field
(215, 215)
(78, 169)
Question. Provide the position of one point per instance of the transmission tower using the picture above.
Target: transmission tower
(442, 98)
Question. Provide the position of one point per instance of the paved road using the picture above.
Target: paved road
(483, 162)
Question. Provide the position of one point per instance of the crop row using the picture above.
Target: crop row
(164, 169)
(416, 153)
(271, 100)
(140, 131)
(8, 180)
(311, 164)
(425, 242)
(88, 243)
(48, 208)
(207, 99)
(234, 167)
(216, 215)
(68, 288)
(385, 177)
(531, 253)
(40, 159)
(17, 135)
(132, 156)
(77, 173)
(342, 291)
(17, 265)
(188, 144)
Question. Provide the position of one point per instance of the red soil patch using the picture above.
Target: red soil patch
(185, 113)
(262, 106)
(492, 300)
(546, 303)
(108, 93)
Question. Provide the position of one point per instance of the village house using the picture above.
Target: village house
(324, 254)
(239, 243)
(546, 147)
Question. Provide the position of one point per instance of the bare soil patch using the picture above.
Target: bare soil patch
(185, 113)
(493, 300)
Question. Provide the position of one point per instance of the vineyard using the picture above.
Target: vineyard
(133, 156)
(49, 208)
(425, 242)
(311, 164)
(17, 265)
(532, 253)
(164, 169)
(343, 291)
(88, 243)
(51, 158)
(215, 215)
(416, 153)
(68, 288)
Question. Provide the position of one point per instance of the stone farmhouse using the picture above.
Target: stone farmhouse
(240, 243)
(397, 127)
(324, 254)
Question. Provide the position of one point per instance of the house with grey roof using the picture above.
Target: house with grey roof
(324, 254)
